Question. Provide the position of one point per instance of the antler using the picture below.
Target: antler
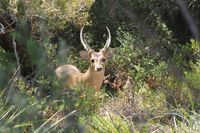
(108, 40)
(85, 45)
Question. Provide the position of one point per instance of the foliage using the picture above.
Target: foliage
(133, 57)
(162, 67)
(193, 82)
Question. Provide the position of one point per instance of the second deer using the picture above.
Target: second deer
(94, 76)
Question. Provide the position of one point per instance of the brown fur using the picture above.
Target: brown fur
(70, 75)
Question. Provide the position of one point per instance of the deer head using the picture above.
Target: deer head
(97, 59)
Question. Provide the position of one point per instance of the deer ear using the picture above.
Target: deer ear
(109, 54)
(84, 55)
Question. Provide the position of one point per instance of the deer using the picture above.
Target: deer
(70, 75)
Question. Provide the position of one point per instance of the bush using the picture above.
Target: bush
(154, 73)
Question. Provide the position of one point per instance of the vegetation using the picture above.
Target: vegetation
(152, 82)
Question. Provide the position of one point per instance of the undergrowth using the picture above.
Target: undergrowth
(152, 83)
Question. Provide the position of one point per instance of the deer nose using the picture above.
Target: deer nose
(99, 69)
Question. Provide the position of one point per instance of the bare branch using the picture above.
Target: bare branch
(2, 28)
(189, 19)
(16, 54)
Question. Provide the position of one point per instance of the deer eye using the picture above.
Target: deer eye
(92, 60)
(103, 60)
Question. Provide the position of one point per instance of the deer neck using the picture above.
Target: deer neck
(93, 78)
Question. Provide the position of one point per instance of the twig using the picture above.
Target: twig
(9, 25)
(4, 19)
(2, 28)
(16, 54)
(175, 125)
(12, 83)
(189, 19)
(173, 114)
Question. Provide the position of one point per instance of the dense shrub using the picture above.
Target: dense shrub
(153, 77)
